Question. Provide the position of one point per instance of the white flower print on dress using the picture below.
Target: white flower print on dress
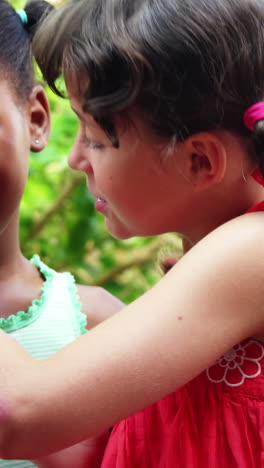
(240, 363)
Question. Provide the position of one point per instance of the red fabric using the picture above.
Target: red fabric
(258, 177)
(202, 425)
(259, 207)
(215, 421)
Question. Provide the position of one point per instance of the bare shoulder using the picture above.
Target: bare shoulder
(229, 263)
(98, 304)
(238, 242)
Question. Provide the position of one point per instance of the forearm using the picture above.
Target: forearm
(69, 397)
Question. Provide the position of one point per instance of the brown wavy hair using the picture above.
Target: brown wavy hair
(185, 65)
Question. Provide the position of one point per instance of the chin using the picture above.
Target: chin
(122, 231)
(119, 232)
(121, 235)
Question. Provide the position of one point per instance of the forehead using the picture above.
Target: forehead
(76, 87)
(8, 87)
(130, 121)
(10, 84)
(77, 83)
(12, 106)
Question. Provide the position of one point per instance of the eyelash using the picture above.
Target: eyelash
(91, 144)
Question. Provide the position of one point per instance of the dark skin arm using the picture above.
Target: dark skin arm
(97, 304)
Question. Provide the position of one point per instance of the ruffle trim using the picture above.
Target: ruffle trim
(22, 319)
(80, 316)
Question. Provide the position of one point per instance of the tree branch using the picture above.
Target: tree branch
(55, 206)
(138, 260)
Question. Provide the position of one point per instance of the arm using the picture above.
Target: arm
(146, 351)
(97, 305)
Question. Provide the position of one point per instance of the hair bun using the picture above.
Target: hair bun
(36, 11)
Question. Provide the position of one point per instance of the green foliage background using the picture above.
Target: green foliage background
(58, 220)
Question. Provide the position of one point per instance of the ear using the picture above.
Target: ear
(206, 160)
(39, 119)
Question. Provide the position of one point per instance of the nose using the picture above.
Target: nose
(78, 159)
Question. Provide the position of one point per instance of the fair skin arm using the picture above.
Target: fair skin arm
(98, 305)
(146, 351)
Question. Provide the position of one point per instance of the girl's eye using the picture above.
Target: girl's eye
(91, 143)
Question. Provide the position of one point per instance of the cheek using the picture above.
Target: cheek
(106, 177)
(13, 162)
(13, 176)
(12, 184)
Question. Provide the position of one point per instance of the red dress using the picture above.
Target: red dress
(215, 421)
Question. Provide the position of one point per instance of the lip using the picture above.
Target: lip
(101, 206)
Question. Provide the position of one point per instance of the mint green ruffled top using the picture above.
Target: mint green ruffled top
(49, 324)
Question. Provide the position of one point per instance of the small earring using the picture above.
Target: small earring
(36, 141)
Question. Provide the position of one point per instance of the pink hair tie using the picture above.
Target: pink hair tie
(253, 115)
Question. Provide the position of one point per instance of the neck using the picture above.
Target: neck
(11, 258)
(20, 281)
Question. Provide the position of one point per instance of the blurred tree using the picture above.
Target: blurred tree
(58, 220)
